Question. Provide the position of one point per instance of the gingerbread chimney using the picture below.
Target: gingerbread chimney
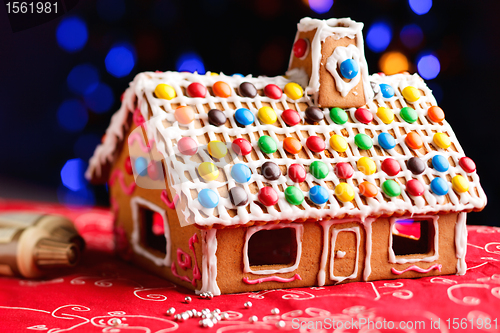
(328, 59)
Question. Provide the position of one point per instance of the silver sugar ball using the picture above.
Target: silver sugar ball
(280, 324)
(217, 311)
(253, 319)
(203, 295)
(199, 314)
(184, 316)
(171, 311)
(205, 310)
(275, 311)
(210, 295)
(189, 313)
(115, 322)
(214, 320)
(177, 317)
(247, 305)
(187, 300)
(224, 316)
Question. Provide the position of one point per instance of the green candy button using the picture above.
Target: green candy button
(391, 188)
(363, 141)
(267, 144)
(338, 115)
(294, 195)
(409, 115)
(319, 169)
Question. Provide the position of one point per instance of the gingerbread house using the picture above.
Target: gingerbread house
(327, 175)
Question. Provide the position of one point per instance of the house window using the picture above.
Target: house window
(152, 230)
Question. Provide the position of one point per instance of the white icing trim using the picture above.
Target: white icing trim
(299, 231)
(368, 255)
(461, 243)
(398, 259)
(209, 263)
(135, 202)
(333, 62)
(332, 257)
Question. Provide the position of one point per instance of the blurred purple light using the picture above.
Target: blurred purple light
(100, 99)
(72, 115)
(379, 36)
(428, 66)
(72, 34)
(83, 79)
(420, 7)
(120, 60)
(411, 35)
(72, 174)
(320, 6)
(190, 62)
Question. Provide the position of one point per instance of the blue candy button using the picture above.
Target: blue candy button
(241, 173)
(238, 75)
(386, 141)
(440, 163)
(141, 166)
(386, 90)
(318, 195)
(244, 116)
(208, 198)
(439, 186)
(349, 69)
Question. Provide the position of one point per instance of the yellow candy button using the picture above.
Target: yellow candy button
(460, 184)
(214, 74)
(442, 140)
(366, 165)
(344, 192)
(267, 115)
(338, 143)
(208, 171)
(385, 114)
(217, 149)
(293, 90)
(165, 91)
(411, 94)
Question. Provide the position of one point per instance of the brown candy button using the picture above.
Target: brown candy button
(271, 171)
(248, 90)
(238, 196)
(314, 114)
(416, 165)
(216, 117)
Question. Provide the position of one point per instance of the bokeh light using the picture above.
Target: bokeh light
(393, 63)
(379, 36)
(72, 34)
(72, 115)
(100, 99)
(420, 7)
(83, 79)
(428, 66)
(72, 174)
(190, 62)
(110, 10)
(120, 60)
(411, 35)
(85, 145)
(320, 6)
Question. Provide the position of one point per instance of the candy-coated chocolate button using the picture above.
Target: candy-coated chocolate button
(196, 89)
(436, 114)
(391, 167)
(294, 195)
(363, 141)
(290, 117)
(314, 114)
(241, 173)
(208, 198)
(273, 91)
(368, 189)
(267, 144)
(208, 171)
(460, 184)
(315, 144)
(409, 114)
(349, 68)
(217, 149)
(467, 164)
(128, 166)
(268, 196)
(270, 171)
(413, 140)
(292, 145)
(366, 165)
(247, 89)
(439, 186)
(416, 165)
(244, 117)
(440, 163)
(187, 146)
(216, 117)
(386, 141)
(339, 116)
(442, 140)
(300, 48)
(391, 188)
(386, 90)
(363, 115)
(155, 170)
(165, 91)
(343, 170)
(338, 143)
(297, 173)
(411, 94)
(221, 89)
(184, 114)
(385, 114)
(318, 169)
(241, 146)
(238, 196)
(318, 195)
(141, 166)
(415, 188)
(267, 115)
(344, 192)
(293, 90)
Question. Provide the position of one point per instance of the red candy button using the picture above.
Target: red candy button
(273, 91)
(343, 170)
(300, 48)
(297, 173)
(415, 188)
(315, 144)
(196, 89)
(467, 164)
(290, 117)
(268, 196)
(241, 146)
(391, 167)
(187, 146)
(128, 166)
(363, 115)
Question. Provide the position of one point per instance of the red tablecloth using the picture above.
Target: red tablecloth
(105, 294)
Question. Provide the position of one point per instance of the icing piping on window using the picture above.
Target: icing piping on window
(272, 279)
(417, 269)
(340, 54)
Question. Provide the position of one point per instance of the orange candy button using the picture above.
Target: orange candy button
(221, 89)
(436, 114)
(292, 145)
(414, 141)
(184, 115)
(368, 189)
